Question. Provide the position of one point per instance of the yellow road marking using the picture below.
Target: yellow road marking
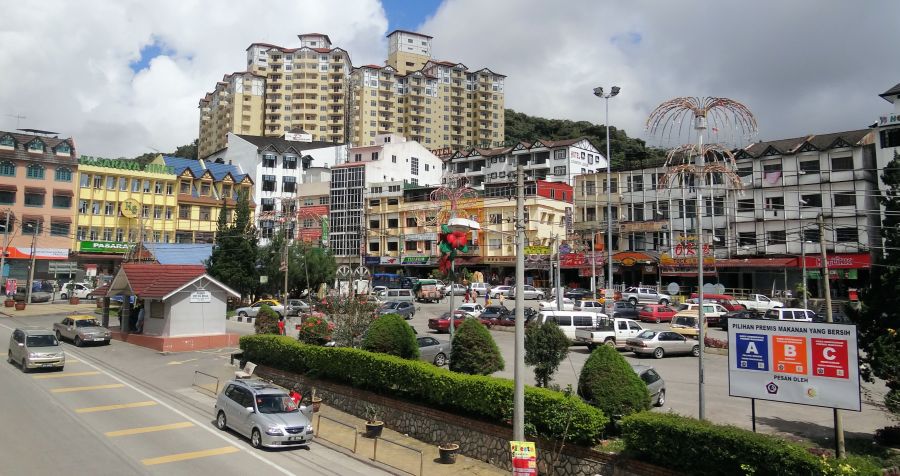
(149, 429)
(120, 406)
(191, 455)
(72, 374)
(85, 389)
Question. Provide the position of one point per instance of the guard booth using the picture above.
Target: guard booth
(183, 307)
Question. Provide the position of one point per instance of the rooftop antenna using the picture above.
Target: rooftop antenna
(18, 118)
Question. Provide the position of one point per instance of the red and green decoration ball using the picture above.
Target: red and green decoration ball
(449, 242)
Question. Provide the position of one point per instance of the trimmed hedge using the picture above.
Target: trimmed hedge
(390, 334)
(610, 384)
(266, 321)
(546, 411)
(702, 448)
(474, 351)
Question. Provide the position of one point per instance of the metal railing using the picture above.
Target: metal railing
(401, 445)
(211, 384)
(351, 427)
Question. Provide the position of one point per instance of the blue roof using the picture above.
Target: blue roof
(180, 253)
(218, 171)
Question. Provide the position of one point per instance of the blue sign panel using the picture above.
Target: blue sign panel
(752, 352)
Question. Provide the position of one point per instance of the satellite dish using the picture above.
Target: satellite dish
(720, 288)
(709, 288)
(673, 288)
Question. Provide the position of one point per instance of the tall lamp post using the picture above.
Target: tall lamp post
(614, 91)
(803, 257)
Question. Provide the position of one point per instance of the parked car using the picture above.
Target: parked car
(378, 290)
(589, 306)
(496, 291)
(712, 312)
(295, 307)
(457, 290)
(35, 348)
(36, 296)
(530, 293)
(263, 412)
(727, 301)
(656, 386)
(759, 303)
(498, 315)
(647, 295)
(578, 294)
(78, 290)
(551, 305)
(790, 314)
(472, 309)
(656, 313)
(686, 325)
(433, 350)
(622, 309)
(662, 343)
(572, 322)
(81, 329)
(611, 332)
(742, 314)
(398, 295)
(407, 310)
(480, 289)
(442, 323)
(253, 309)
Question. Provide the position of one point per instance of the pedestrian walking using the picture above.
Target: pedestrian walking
(501, 297)
(281, 325)
(487, 299)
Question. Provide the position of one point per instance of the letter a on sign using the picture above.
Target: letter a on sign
(751, 348)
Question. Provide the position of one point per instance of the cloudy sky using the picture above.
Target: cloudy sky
(124, 77)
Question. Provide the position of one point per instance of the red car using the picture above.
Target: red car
(656, 313)
(442, 324)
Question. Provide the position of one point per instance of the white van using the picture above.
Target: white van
(790, 314)
(568, 321)
(404, 295)
(480, 289)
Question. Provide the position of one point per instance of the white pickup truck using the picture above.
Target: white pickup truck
(612, 332)
(759, 303)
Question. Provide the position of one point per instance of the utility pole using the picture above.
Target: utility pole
(700, 125)
(557, 278)
(33, 256)
(519, 365)
(5, 244)
(829, 317)
(803, 257)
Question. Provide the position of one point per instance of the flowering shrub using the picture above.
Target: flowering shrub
(351, 315)
(715, 343)
(315, 330)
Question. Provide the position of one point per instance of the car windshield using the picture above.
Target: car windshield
(47, 340)
(87, 323)
(390, 305)
(278, 403)
(647, 335)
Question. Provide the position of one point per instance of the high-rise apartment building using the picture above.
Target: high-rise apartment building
(316, 89)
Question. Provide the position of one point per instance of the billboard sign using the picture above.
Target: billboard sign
(794, 362)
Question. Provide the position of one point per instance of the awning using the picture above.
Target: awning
(8, 188)
(60, 219)
(757, 263)
(39, 190)
(32, 218)
(63, 192)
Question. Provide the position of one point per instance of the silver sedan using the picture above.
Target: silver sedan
(662, 343)
(433, 350)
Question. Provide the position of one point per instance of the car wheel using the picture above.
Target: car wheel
(64, 296)
(9, 358)
(242, 314)
(58, 336)
(591, 347)
(25, 368)
(696, 351)
(256, 439)
(658, 320)
(661, 398)
(78, 342)
(221, 421)
(633, 301)
(664, 302)
(610, 343)
(440, 360)
(659, 353)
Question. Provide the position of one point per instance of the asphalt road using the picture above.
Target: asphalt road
(122, 409)
(682, 376)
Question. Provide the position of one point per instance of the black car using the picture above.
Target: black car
(578, 294)
(496, 314)
(742, 314)
(623, 309)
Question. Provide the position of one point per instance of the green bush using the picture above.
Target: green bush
(547, 412)
(390, 334)
(708, 449)
(473, 350)
(266, 321)
(314, 330)
(546, 345)
(609, 383)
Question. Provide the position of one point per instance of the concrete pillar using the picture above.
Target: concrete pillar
(125, 320)
(105, 312)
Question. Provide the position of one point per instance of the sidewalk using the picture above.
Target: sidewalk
(44, 309)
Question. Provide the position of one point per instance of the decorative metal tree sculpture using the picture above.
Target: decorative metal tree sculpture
(690, 160)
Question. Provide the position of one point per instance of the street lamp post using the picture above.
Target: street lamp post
(598, 91)
(803, 257)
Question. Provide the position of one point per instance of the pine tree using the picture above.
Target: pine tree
(233, 259)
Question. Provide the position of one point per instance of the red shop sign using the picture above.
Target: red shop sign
(841, 261)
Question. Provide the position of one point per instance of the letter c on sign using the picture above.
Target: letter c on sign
(828, 353)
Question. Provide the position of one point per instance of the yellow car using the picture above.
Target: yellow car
(685, 323)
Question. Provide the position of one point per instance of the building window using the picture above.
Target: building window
(34, 199)
(841, 164)
(289, 184)
(774, 203)
(308, 223)
(85, 181)
(374, 156)
(31, 227)
(374, 246)
(747, 238)
(226, 191)
(36, 146)
(559, 170)
(289, 162)
(307, 202)
(8, 169)
(745, 205)
(62, 201)
(146, 186)
(7, 197)
(158, 187)
(847, 236)
(393, 223)
(120, 234)
(169, 188)
(394, 159)
(205, 189)
(81, 233)
(107, 234)
(268, 160)
(268, 183)
(168, 213)
(205, 213)
(637, 183)
(110, 183)
(844, 199)
(323, 200)
(95, 208)
(890, 138)
(184, 187)
(811, 201)
(109, 208)
(559, 154)
(414, 165)
(268, 204)
(63, 174)
(811, 235)
(7, 141)
(59, 229)
(34, 171)
(411, 245)
(135, 185)
(374, 224)
(184, 212)
(158, 212)
(809, 166)
(393, 201)
(410, 221)
(145, 211)
(393, 246)
(123, 184)
(495, 218)
(98, 182)
(776, 237)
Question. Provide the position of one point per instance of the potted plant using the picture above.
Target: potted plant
(20, 305)
(448, 452)
(74, 300)
(10, 302)
(316, 401)
(373, 424)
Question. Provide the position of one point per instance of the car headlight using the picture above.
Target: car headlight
(274, 431)
(33, 355)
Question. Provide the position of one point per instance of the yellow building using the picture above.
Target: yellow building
(116, 199)
(316, 89)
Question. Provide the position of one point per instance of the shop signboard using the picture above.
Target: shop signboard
(537, 250)
(841, 261)
(794, 362)
(524, 458)
(104, 247)
(14, 252)
(201, 296)
(389, 260)
(416, 260)
(421, 237)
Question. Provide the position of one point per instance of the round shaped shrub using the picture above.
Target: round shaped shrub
(315, 330)
(390, 334)
(266, 321)
(473, 350)
(608, 382)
